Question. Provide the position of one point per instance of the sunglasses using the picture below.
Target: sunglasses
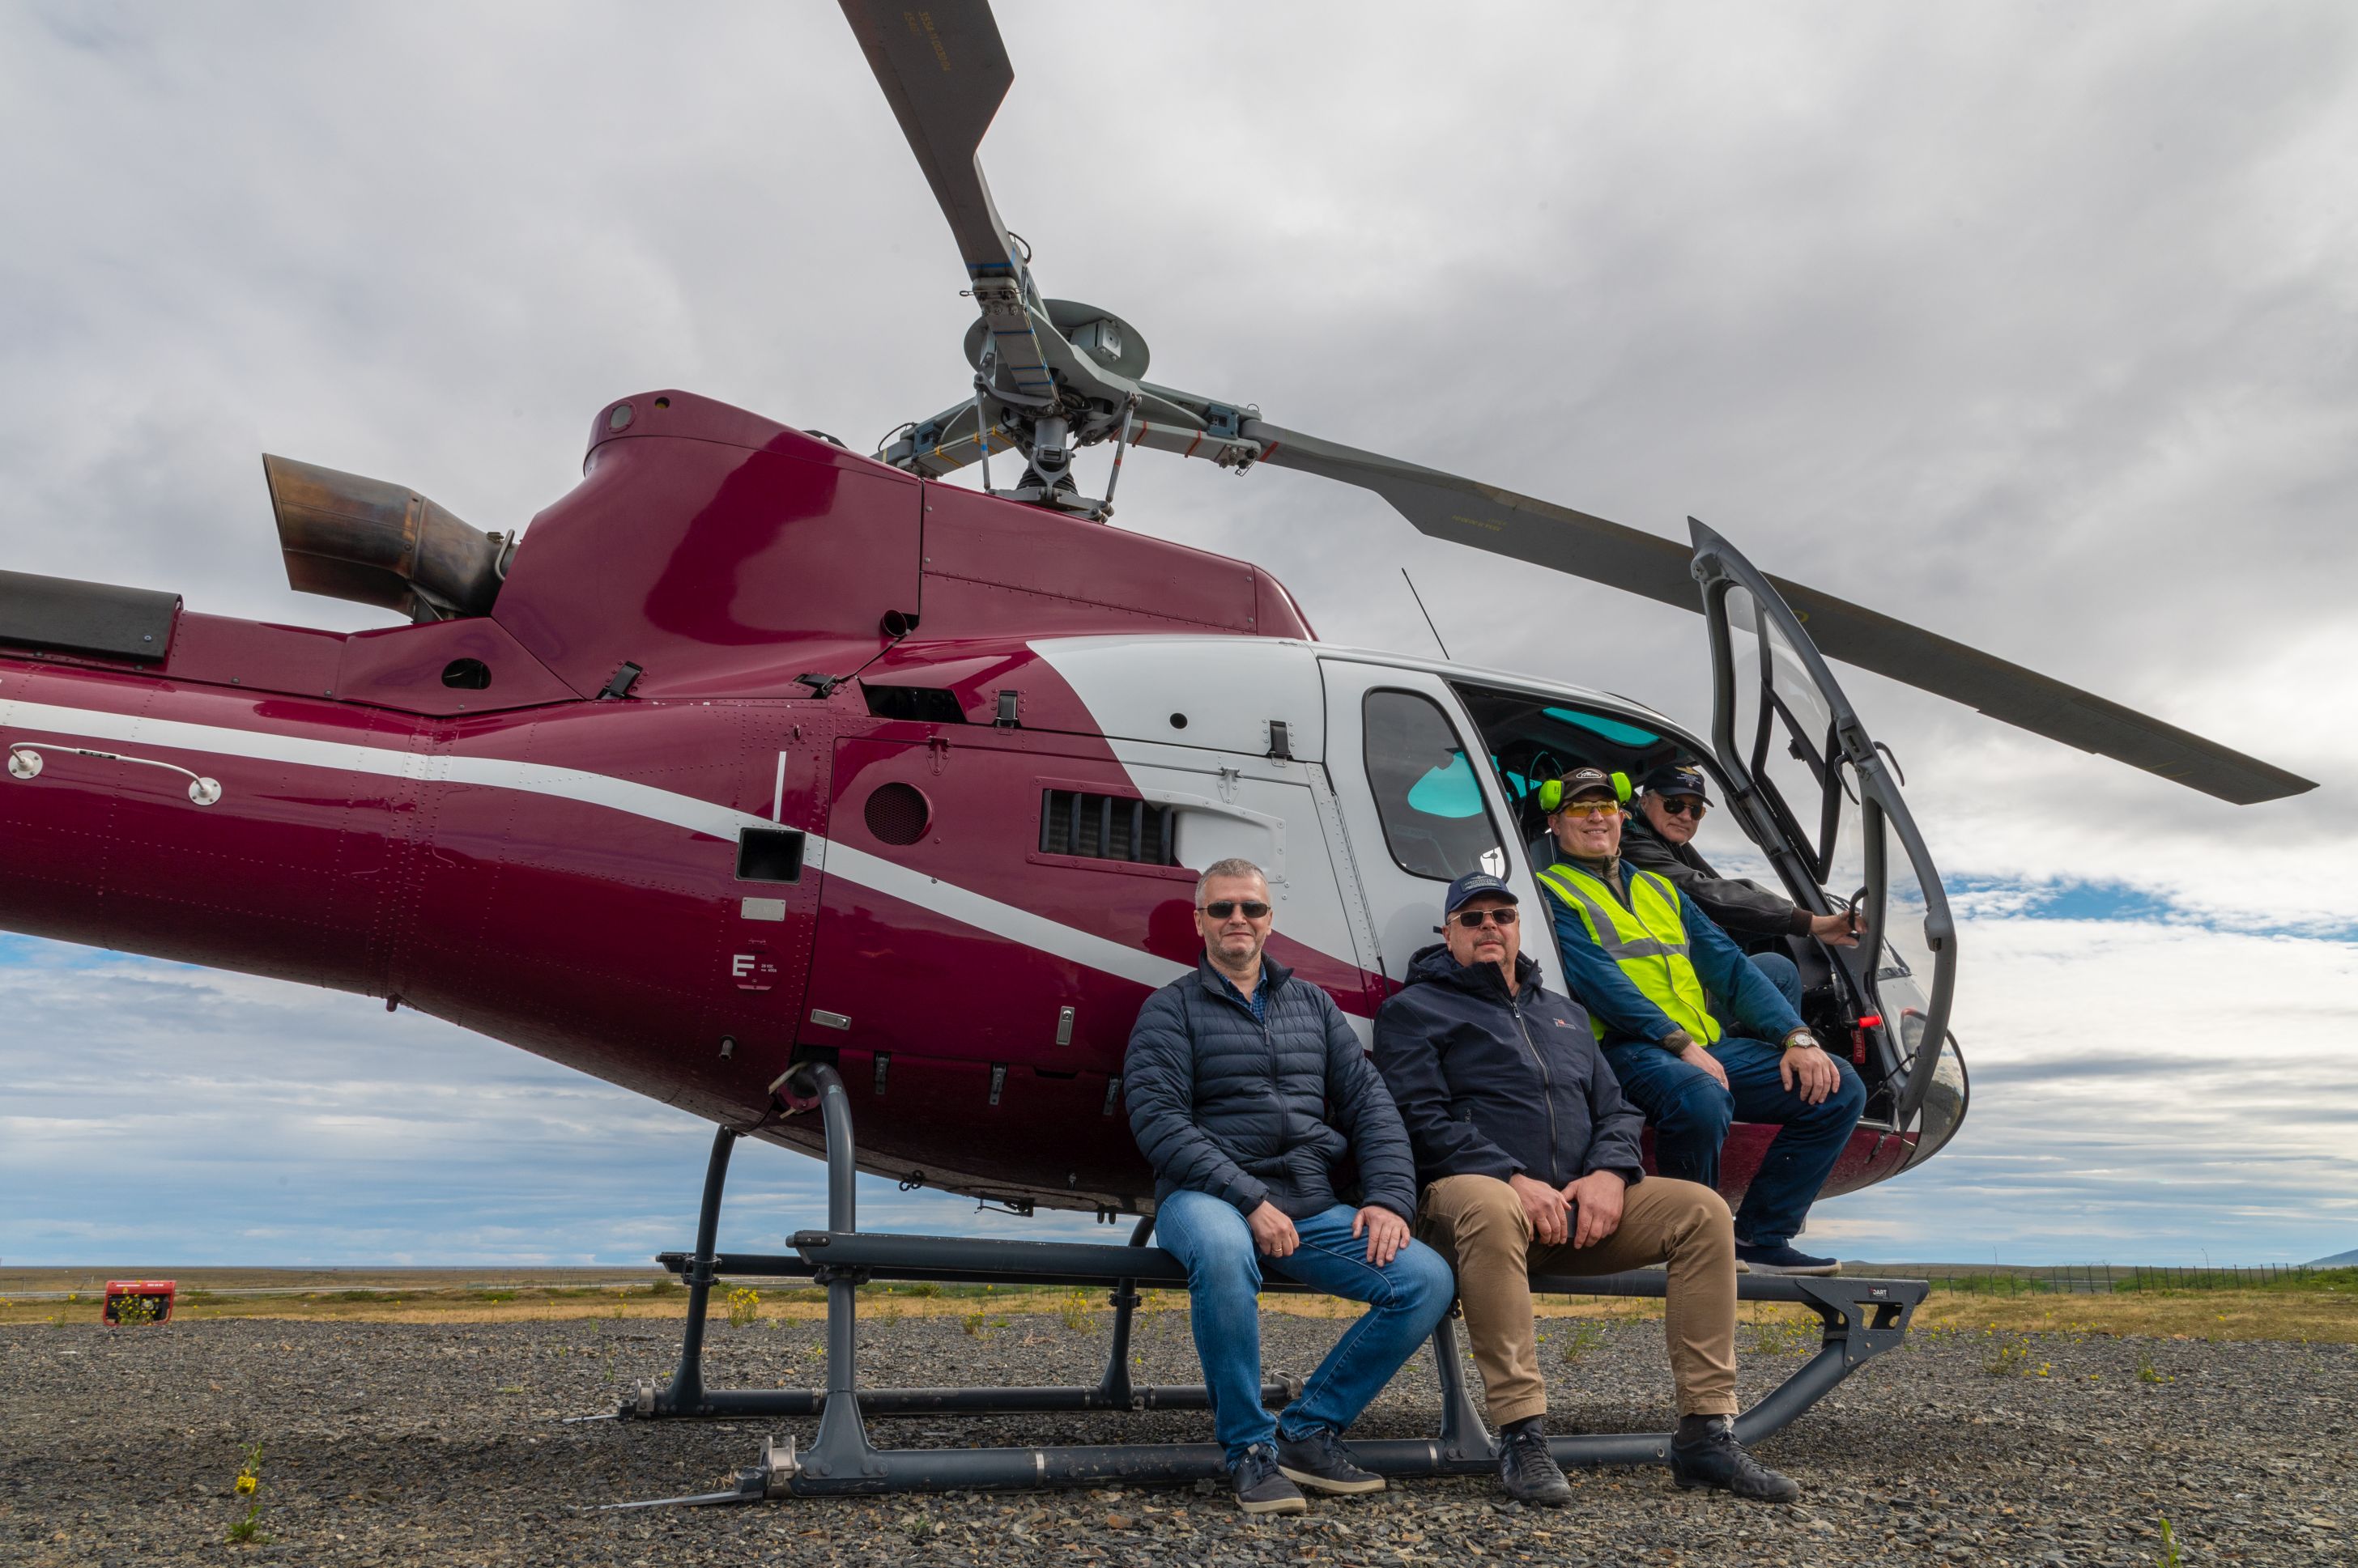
(1222, 908)
(1475, 919)
(1683, 806)
(1589, 808)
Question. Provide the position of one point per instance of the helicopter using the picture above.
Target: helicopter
(766, 778)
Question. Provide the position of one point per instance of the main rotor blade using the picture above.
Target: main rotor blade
(1545, 534)
(945, 71)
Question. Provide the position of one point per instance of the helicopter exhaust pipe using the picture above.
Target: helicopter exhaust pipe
(349, 537)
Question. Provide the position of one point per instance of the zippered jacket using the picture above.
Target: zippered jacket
(1491, 1084)
(1271, 1108)
(1734, 902)
(1747, 1006)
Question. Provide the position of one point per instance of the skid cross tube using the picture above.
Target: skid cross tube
(1861, 1319)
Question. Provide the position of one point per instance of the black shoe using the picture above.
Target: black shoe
(1527, 1469)
(1323, 1465)
(1261, 1488)
(1782, 1259)
(1706, 1454)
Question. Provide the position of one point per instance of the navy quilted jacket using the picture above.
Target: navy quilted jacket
(1251, 1111)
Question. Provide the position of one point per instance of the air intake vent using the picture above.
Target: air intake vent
(927, 704)
(1106, 827)
(898, 813)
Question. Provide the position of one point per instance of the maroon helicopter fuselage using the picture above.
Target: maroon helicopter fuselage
(567, 872)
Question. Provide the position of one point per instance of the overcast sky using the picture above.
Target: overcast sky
(2032, 323)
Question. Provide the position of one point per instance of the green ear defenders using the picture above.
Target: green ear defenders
(1552, 792)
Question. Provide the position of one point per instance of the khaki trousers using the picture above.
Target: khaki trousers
(1478, 1224)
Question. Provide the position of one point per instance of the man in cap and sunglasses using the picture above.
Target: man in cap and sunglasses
(1646, 962)
(1659, 837)
(1530, 1160)
(1249, 1094)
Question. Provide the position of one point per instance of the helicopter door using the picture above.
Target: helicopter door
(1824, 798)
(1415, 810)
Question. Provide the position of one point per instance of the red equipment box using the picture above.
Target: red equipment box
(138, 1301)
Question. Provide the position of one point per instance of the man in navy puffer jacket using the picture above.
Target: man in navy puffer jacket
(1247, 1092)
(1530, 1158)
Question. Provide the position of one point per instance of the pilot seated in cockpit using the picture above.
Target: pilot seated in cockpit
(1640, 955)
(1658, 836)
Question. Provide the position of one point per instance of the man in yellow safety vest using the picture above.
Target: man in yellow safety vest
(1645, 961)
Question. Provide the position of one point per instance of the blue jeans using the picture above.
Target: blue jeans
(1406, 1298)
(1781, 972)
(1689, 1113)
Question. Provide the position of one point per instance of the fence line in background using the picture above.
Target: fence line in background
(2105, 1279)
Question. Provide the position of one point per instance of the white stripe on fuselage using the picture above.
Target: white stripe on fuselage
(854, 865)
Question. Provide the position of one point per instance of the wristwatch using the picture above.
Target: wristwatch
(1801, 1039)
(1676, 1041)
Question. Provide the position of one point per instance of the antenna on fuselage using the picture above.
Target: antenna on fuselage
(1425, 613)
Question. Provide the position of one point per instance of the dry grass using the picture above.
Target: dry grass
(483, 1296)
(2194, 1314)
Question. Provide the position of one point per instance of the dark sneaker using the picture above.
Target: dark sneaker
(1323, 1465)
(1527, 1469)
(1782, 1259)
(1261, 1488)
(1713, 1457)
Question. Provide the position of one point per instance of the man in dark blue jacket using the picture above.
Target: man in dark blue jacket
(1247, 1092)
(1529, 1159)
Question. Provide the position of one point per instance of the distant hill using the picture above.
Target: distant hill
(2338, 1260)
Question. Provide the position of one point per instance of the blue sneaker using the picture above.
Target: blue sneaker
(1261, 1488)
(1782, 1258)
(1323, 1465)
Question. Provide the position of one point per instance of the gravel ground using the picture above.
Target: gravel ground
(424, 1444)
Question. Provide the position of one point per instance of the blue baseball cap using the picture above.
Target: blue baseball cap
(1677, 779)
(1473, 884)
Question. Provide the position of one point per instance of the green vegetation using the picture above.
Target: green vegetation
(248, 1484)
(2105, 1279)
(1782, 1336)
(1577, 1341)
(2010, 1358)
(2183, 1281)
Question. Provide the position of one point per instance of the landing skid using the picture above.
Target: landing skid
(1862, 1319)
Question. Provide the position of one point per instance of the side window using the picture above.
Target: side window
(1426, 793)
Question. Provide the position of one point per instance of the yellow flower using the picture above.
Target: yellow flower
(246, 1485)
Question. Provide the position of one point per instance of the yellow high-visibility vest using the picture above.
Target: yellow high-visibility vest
(1645, 938)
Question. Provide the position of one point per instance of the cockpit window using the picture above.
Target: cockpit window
(1532, 740)
(1427, 794)
(1447, 789)
(1613, 730)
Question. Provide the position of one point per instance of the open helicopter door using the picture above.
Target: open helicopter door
(1824, 796)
